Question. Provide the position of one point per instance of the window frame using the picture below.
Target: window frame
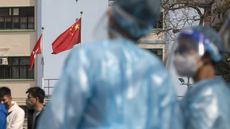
(154, 51)
(17, 13)
(16, 64)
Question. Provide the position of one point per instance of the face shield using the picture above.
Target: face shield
(190, 47)
(225, 34)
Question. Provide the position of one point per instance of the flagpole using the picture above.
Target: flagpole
(81, 26)
(42, 58)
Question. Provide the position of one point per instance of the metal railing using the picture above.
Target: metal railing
(49, 85)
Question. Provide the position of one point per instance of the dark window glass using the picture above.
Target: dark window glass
(2, 22)
(29, 11)
(15, 68)
(23, 23)
(4, 11)
(158, 52)
(15, 72)
(13, 60)
(16, 23)
(24, 61)
(8, 22)
(23, 71)
(30, 22)
(17, 18)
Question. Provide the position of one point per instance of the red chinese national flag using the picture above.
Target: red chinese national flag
(68, 38)
(36, 50)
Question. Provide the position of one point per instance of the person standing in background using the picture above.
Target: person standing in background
(15, 115)
(35, 105)
(205, 106)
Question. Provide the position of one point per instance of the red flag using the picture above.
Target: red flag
(68, 38)
(36, 50)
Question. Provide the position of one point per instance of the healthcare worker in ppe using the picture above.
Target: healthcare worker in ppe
(196, 52)
(113, 84)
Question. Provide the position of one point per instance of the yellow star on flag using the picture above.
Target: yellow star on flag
(77, 26)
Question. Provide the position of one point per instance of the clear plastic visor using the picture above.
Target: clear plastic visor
(190, 43)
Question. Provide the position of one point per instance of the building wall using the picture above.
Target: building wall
(9, 3)
(17, 43)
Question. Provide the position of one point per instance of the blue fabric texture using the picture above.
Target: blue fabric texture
(206, 105)
(112, 84)
(3, 115)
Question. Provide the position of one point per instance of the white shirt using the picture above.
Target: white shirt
(15, 118)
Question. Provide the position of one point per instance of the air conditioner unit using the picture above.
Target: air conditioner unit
(4, 61)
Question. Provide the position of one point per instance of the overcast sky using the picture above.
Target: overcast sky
(57, 16)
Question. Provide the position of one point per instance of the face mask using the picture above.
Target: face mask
(185, 65)
(29, 104)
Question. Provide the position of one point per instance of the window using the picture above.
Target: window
(157, 51)
(15, 68)
(17, 18)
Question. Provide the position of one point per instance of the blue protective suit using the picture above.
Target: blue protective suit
(112, 85)
(3, 115)
(207, 105)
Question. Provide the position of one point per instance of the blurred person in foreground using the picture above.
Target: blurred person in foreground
(196, 53)
(35, 105)
(113, 84)
(15, 115)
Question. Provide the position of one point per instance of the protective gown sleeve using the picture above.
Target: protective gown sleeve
(69, 98)
(206, 106)
(203, 112)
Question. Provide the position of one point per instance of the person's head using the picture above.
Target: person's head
(197, 47)
(35, 95)
(5, 96)
(134, 18)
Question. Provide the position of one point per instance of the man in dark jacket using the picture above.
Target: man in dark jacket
(35, 105)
